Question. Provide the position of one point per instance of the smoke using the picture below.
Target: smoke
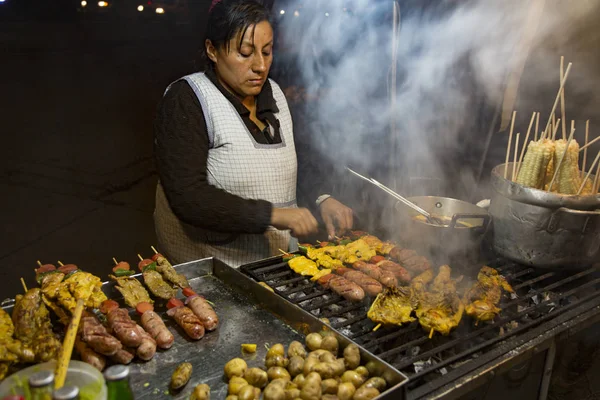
(453, 62)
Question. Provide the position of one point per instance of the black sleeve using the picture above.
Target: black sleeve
(181, 150)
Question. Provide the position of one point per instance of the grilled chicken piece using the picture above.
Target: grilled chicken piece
(51, 284)
(482, 298)
(161, 289)
(393, 306)
(132, 290)
(439, 308)
(32, 325)
(168, 272)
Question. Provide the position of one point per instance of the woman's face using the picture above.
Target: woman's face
(243, 70)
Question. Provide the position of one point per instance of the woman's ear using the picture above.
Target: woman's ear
(211, 51)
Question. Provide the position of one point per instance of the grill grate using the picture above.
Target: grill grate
(541, 296)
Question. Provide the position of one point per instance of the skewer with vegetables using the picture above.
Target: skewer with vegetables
(132, 290)
(167, 271)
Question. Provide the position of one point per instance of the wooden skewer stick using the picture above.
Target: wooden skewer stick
(537, 126)
(154, 250)
(553, 124)
(588, 174)
(24, 285)
(514, 171)
(115, 261)
(60, 263)
(512, 126)
(39, 263)
(525, 143)
(557, 168)
(377, 327)
(285, 253)
(555, 129)
(431, 333)
(587, 136)
(596, 180)
(589, 144)
(141, 258)
(62, 364)
(562, 86)
(562, 99)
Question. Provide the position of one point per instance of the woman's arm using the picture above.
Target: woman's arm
(181, 151)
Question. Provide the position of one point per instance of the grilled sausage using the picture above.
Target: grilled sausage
(342, 286)
(123, 356)
(401, 273)
(97, 337)
(203, 311)
(387, 278)
(399, 254)
(368, 284)
(154, 325)
(147, 348)
(417, 263)
(89, 356)
(128, 332)
(188, 321)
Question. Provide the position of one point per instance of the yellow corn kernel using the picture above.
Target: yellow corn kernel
(568, 178)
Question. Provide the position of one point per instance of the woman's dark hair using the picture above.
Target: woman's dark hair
(229, 17)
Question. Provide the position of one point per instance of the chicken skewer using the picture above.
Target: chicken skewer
(154, 280)
(167, 271)
(482, 298)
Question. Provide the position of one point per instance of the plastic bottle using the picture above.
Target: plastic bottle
(41, 385)
(117, 383)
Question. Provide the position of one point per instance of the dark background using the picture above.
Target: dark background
(80, 86)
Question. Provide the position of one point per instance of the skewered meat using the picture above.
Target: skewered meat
(97, 337)
(147, 347)
(132, 290)
(303, 266)
(83, 285)
(386, 278)
(154, 280)
(51, 283)
(324, 257)
(123, 356)
(202, 309)
(168, 272)
(439, 309)
(186, 319)
(11, 350)
(32, 325)
(89, 356)
(410, 259)
(399, 272)
(342, 286)
(154, 325)
(392, 306)
(371, 286)
(124, 328)
(481, 299)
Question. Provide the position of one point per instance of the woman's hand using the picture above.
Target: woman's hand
(335, 214)
(299, 220)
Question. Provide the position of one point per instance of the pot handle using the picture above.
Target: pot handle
(458, 217)
(552, 224)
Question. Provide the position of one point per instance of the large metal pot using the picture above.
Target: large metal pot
(463, 233)
(544, 229)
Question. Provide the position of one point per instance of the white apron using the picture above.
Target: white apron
(240, 166)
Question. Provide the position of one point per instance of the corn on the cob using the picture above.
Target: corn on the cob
(535, 163)
(569, 178)
(549, 175)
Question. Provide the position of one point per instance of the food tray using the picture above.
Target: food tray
(248, 313)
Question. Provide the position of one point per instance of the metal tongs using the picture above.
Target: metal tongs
(430, 218)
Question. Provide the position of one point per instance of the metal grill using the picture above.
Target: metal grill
(541, 296)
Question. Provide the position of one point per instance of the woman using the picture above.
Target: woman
(225, 151)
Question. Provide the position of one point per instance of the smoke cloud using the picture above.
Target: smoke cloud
(453, 62)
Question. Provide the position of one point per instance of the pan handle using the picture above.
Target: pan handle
(588, 224)
(484, 217)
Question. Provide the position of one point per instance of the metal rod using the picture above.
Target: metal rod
(548, 365)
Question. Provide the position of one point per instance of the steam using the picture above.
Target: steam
(452, 58)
